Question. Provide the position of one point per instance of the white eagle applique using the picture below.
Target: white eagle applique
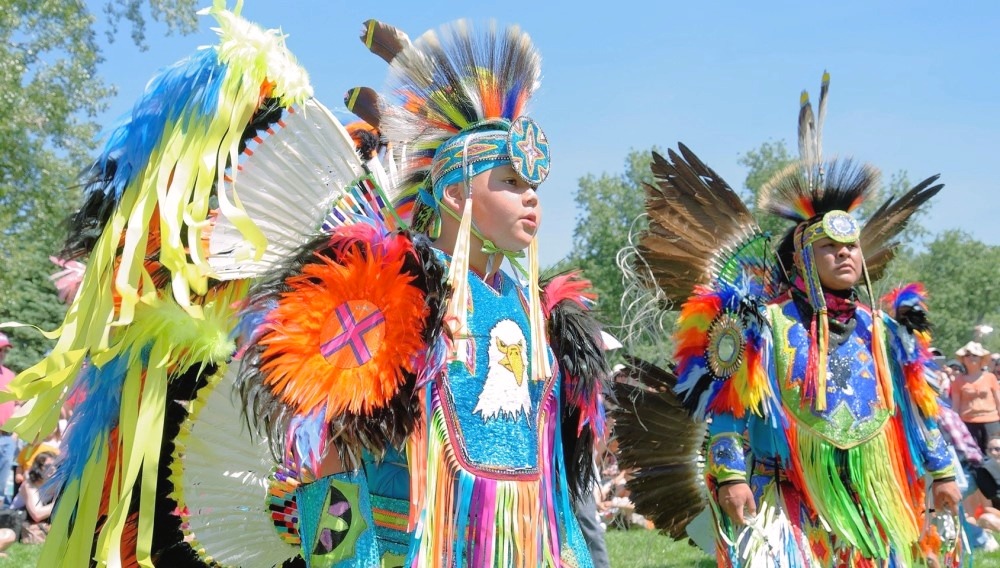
(505, 392)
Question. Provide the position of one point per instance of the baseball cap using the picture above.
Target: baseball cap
(5, 341)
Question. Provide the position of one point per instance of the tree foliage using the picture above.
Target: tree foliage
(610, 209)
(762, 163)
(178, 15)
(961, 277)
(49, 58)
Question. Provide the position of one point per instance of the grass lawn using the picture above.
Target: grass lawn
(628, 549)
(648, 549)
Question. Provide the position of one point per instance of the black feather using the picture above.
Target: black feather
(660, 447)
(376, 431)
(575, 337)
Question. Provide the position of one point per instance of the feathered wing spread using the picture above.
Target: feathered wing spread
(880, 230)
(702, 248)
(661, 447)
(700, 232)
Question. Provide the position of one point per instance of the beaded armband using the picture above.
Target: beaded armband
(725, 458)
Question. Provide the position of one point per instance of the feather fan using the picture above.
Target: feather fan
(662, 446)
(222, 476)
(290, 176)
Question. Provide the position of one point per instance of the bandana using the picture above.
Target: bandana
(840, 304)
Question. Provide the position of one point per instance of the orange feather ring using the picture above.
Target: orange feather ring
(345, 333)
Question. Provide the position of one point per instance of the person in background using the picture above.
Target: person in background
(975, 394)
(32, 499)
(968, 456)
(984, 504)
(8, 441)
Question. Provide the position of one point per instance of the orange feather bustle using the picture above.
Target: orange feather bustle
(294, 364)
(696, 317)
(748, 386)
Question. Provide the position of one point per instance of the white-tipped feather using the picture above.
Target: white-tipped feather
(286, 184)
(221, 475)
(824, 90)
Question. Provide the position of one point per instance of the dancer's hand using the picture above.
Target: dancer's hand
(946, 496)
(737, 500)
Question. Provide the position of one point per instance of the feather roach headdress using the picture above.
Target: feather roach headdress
(462, 95)
(820, 197)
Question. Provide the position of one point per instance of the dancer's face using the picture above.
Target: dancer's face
(505, 208)
(838, 264)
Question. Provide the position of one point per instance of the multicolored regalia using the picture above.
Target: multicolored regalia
(276, 365)
(815, 399)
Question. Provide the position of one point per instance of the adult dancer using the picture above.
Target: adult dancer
(821, 423)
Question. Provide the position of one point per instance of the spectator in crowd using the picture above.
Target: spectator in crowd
(8, 441)
(968, 457)
(32, 499)
(985, 503)
(975, 394)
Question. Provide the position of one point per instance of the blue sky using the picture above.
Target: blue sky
(914, 84)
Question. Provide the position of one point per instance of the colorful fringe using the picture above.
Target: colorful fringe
(749, 387)
(465, 519)
(163, 341)
(870, 516)
(160, 169)
(145, 310)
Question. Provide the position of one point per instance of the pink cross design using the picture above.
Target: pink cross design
(353, 334)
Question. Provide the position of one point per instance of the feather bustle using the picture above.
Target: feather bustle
(662, 445)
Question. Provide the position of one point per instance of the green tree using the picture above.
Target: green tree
(762, 163)
(960, 274)
(49, 58)
(177, 15)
